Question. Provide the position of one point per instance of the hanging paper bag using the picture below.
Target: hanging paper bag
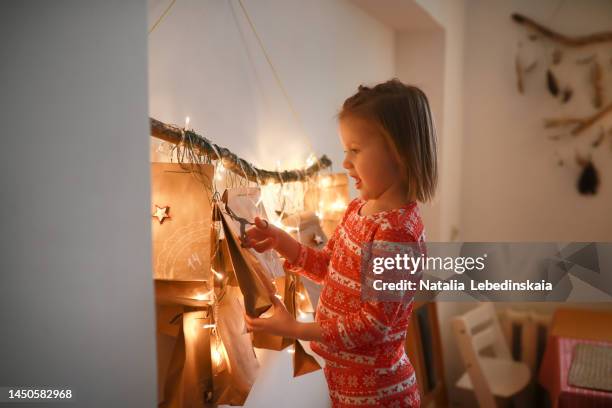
(180, 218)
(194, 294)
(254, 285)
(240, 212)
(286, 286)
(232, 386)
(303, 363)
(329, 197)
(189, 381)
(308, 229)
(253, 271)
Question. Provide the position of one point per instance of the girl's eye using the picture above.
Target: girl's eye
(351, 151)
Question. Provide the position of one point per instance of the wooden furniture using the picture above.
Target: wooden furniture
(488, 376)
(424, 348)
(569, 328)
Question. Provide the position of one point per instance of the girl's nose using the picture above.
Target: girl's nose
(347, 163)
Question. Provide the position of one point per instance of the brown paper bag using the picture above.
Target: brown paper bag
(242, 202)
(194, 294)
(329, 198)
(254, 284)
(189, 381)
(286, 286)
(232, 386)
(310, 232)
(303, 363)
(180, 222)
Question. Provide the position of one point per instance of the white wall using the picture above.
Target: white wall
(205, 63)
(76, 297)
(501, 171)
(512, 188)
(420, 62)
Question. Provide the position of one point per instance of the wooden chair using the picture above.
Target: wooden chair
(487, 376)
(424, 349)
(530, 323)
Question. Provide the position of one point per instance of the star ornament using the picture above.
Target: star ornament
(161, 213)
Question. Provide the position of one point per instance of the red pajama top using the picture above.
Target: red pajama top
(363, 341)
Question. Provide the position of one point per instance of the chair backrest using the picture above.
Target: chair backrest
(530, 323)
(475, 331)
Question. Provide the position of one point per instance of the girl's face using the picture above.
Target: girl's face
(369, 159)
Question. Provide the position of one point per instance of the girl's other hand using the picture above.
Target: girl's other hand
(281, 323)
(262, 236)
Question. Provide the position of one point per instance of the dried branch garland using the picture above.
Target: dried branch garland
(231, 161)
(581, 124)
(581, 41)
(596, 78)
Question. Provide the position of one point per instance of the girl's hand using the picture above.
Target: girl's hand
(262, 236)
(281, 323)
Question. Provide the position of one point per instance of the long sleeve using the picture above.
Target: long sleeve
(313, 263)
(372, 322)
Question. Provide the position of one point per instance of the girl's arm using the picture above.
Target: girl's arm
(282, 323)
(299, 258)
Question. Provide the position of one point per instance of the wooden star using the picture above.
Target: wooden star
(161, 213)
(317, 239)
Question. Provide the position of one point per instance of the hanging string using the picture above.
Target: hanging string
(279, 82)
(310, 179)
(162, 16)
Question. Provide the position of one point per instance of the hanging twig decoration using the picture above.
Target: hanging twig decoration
(588, 182)
(231, 161)
(519, 74)
(595, 38)
(597, 86)
(561, 89)
(581, 124)
(551, 83)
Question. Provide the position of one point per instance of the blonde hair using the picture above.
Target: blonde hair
(402, 114)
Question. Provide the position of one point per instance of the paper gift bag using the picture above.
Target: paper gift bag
(242, 203)
(329, 198)
(194, 294)
(254, 284)
(309, 231)
(303, 363)
(189, 381)
(180, 219)
(232, 386)
(285, 286)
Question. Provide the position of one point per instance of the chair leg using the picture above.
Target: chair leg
(525, 398)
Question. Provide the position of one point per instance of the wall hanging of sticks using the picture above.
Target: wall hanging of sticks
(576, 72)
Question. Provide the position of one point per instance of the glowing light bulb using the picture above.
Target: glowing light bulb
(312, 159)
(215, 354)
(204, 296)
(218, 275)
(325, 182)
(219, 171)
(338, 205)
(291, 350)
(186, 122)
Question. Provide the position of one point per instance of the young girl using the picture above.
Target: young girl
(390, 150)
